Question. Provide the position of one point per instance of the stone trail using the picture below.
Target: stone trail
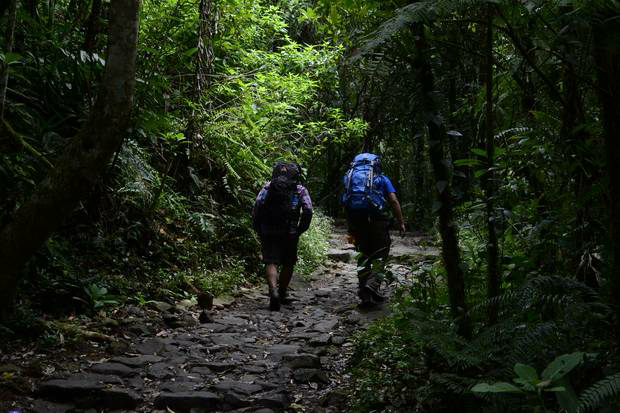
(239, 357)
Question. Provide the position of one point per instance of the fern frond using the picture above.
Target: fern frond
(433, 335)
(422, 11)
(531, 338)
(512, 132)
(553, 283)
(506, 299)
(458, 358)
(136, 179)
(453, 382)
(556, 290)
(599, 392)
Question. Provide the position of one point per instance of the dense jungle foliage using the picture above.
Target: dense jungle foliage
(498, 122)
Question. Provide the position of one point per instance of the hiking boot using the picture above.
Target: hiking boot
(365, 296)
(375, 295)
(284, 298)
(274, 300)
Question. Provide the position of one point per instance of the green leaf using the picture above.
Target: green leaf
(526, 372)
(479, 151)
(567, 398)
(480, 172)
(498, 152)
(441, 186)
(525, 384)
(191, 52)
(556, 389)
(467, 162)
(501, 387)
(543, 384)
(11, 58)
(562, 365)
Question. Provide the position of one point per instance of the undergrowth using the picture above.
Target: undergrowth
(140, 239)
(414, 361)
(314, 243)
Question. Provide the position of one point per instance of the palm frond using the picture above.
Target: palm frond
(422, 11)
(599, 392)
(507, 133)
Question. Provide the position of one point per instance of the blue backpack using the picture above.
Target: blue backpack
(361, 185)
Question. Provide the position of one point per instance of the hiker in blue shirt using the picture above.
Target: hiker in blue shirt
(367, 193)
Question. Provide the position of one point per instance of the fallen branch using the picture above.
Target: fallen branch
(77, 331)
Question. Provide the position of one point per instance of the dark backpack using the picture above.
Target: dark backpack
(281, 204)
(360, 184)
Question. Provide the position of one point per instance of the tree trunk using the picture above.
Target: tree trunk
(3, 7)
(86, 157)
(607, 58)
(422, 188)
(331, 187)
(8, 48)
(205, 59)
(447, 226)
(529, 58)
(92, 27)
(576, 138)
(206, 56)
(488, 179)
(32, 7)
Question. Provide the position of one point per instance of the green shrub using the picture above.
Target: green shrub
(222, 280)
(414, 357)
(383, 362)
(313, 245)
(410, 362)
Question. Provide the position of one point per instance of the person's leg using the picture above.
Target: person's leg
(271, 274)
(289, 259)
(364, 264)
(358, 227)
(363, 276)
(271, 258)
(271, 271)
(379, 236)
(285, 278)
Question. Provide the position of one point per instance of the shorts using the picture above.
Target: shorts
(372, 237)
(279, 250)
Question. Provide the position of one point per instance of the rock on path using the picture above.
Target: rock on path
(242, 357)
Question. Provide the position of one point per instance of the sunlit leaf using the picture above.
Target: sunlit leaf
(501, 387)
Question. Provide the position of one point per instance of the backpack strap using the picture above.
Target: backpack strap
(348, 179)
(371, 175)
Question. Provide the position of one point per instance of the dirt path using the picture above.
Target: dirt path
(242, 358)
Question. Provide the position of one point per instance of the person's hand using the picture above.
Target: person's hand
(350, 239)
(401, 229)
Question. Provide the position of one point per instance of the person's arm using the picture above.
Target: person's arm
(306, 211)
(256, 216)
(397, 211)
(390, 193)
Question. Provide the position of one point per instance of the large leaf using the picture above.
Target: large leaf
(12, 58)
(562, 365)
(526, 372)
(566, 397)
(480, 152)
(467, 162)
(501, 387)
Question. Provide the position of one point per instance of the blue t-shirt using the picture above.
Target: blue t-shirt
(384, 185)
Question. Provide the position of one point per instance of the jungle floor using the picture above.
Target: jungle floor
(239, 356)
